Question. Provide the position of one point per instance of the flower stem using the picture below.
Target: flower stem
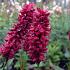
(37, 66)
(21, 63)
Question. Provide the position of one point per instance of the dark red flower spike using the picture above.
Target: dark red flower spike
(30, 33)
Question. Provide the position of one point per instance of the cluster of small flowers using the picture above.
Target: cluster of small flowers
(31, 33)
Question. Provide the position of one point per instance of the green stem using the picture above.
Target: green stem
(21, 63)
(38, 66)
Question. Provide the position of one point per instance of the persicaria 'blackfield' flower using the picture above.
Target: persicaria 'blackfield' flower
(30, 33)
(69, 35)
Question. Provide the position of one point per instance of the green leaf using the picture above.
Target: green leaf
(41, 64)
(10, 61)
(17, 65)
